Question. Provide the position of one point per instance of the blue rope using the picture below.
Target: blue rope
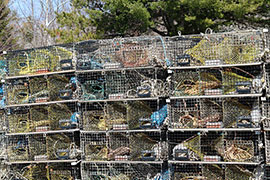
(168, 63)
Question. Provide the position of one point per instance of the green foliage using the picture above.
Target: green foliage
(110, 18)
(7, 40)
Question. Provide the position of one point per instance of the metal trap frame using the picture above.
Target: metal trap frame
(147, 146)
(119, 146)
(217, 81)
(122, 84)
(42, 89)
(94, 146)
(215, 146)
(17, 148)
(121, 52)
(214, 171)
(237, 47)
(40, 60)
(127, 171)
(122, 115)
(227, 112)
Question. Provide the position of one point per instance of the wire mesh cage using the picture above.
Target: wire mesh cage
(214, 171)
(42, 171)
(121, 115)
(215, 146)
(93, 116)
(119, 146)
(109, 170)
(121, 52)
(18, 120)
(40, 60)
(3, 126)
(120, 84)
(240, 112)
(217, 81)
(267, 146)
(62, 146)
(42, 89)
(220, 48)
(266, 113)
(94, 146)
(60, 116)
(17, 148)
(3, 150)
(147, 146)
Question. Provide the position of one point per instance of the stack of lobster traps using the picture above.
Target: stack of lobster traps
(41, 114)
(122, 89)
(139, 108)
(215, 112)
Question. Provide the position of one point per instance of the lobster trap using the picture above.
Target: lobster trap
(3, 150)
(94, 146)
(121, 52)
(40, 60)
(228, 112)
(121, 115)
(127, 171)
(217, 81)
(215, 146)
(62, 146)
(119, 146)
(220, 48)
(147, 146)
(214, 171)
(42, 89)
(120, 84)
(41, 118)
(17, 148)
(43, 171)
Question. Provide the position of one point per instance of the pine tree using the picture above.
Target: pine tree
(7, 39)
(112, 18)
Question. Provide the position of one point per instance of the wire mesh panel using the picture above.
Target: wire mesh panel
(267, 146)
(267, 75)
(266, 113)
(18, 119)
(116, 84)
(119, 146)
(93, 116)
(239, 112)
(147, 146)
(3, 150)
(3, 126)
(60, 116)
(242, 80)
(92, 85)
(245, 172)
(4, 171)
(40, 60)
(176, 48)
(138, 171)
(42, 89)
(60, 171)
(43, 171)
(217, 81)
(62, 146)
(215, 146)
(215, 171)
(222, 48)
(242, 112)
(18, 91)
(196, 171)
(94, 146)
(120, 52)
(38, 147)
(17, 148)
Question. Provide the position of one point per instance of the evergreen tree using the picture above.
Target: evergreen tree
(7, 40)
(110, 18)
